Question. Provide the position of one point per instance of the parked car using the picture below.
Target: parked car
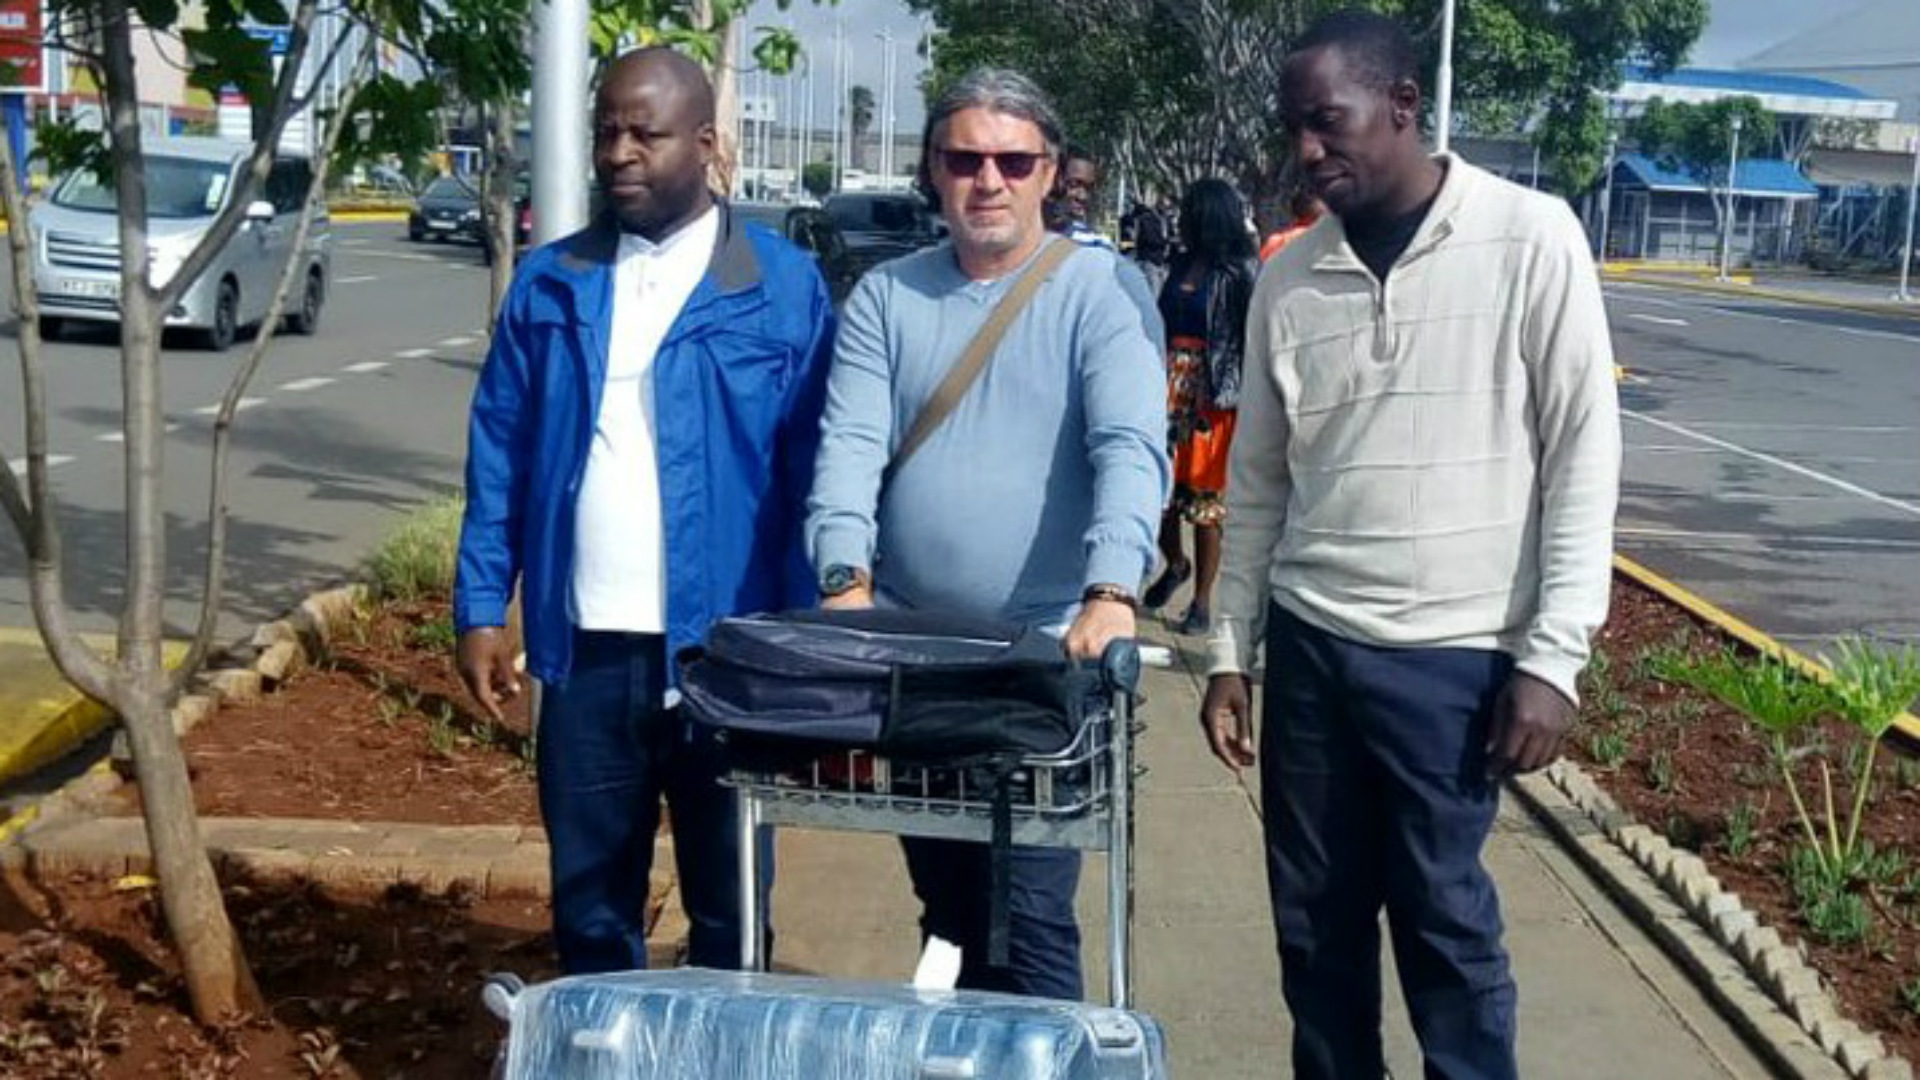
(882, 225)
(813, 230)
(76, 256)
(448, 209)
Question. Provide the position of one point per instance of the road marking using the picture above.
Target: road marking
(1782, 463)
(301, 386)
(414, 354)
(121, 436)
(1741, 425)
(456, 342)
(1787, 539)
(364, 366)
(245, 404)
(1809, 324)
(361, 242)
(1662, 320)
(54, 461)
(357, 279)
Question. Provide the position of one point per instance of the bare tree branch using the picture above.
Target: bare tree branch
(338, 46)
(230, 405)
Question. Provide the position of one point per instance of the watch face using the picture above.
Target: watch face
(838, 579)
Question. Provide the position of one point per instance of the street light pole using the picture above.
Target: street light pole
(1606, 198)
(1906, 249)
(560, 145)
(1443, 82)
(1726, 230)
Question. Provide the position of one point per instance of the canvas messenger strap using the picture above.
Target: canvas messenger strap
(966, 370)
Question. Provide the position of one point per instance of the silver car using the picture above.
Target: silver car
(76, 257)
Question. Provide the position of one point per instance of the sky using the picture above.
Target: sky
(1738, 29)
(814, 23)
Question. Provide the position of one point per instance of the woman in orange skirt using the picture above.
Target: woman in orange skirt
(1204, 303)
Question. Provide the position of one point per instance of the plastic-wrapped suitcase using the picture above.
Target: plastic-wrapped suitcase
(690, 1024)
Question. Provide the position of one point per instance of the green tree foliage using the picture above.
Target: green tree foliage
(817, 178)
(1697, 140)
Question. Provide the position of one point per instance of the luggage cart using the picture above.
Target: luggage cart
(1080, 797)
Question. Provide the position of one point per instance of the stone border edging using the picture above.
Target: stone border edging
(1758, 981)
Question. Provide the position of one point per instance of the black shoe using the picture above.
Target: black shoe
(1164, 586)
(1198, 621)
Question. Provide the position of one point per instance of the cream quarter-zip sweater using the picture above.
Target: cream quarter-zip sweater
(1434, 462)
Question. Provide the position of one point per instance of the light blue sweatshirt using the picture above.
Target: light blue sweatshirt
(1048, 477)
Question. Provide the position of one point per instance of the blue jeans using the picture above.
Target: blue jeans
(952, 878)
(609, 751)
(1375, 795)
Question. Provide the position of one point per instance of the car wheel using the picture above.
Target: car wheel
(415, 233)
(307, 320)
(52, 328)
(226, 319)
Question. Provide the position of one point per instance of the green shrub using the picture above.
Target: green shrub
(416, 560)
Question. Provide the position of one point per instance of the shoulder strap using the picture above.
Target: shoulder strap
(966, 370)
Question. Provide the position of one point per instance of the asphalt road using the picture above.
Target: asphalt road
(1773, 460)
(344, 433)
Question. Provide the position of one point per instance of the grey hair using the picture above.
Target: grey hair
(1000, 90)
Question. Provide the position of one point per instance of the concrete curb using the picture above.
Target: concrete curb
(1762, 985)
(1889, 308)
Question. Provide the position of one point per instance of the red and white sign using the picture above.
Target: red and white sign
(21, 47)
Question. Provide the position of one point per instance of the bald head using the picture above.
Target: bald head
(653, 140)
(678, 77)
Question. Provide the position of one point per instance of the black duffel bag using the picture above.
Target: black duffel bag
(922, 687)
(926, 688)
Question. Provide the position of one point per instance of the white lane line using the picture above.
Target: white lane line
(301, 386)
(1661, 449)
(121, 436)
(1805, 324)
(245, 404)
(1786, 539)
(357, 279)
(456, 342)
(1781, 463)
(364, 366)
(1633, 490)
(54, 461)
(414, 354)
(1662, 320)
(1741, 425)
(361, 242)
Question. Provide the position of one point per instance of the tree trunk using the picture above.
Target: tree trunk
(218, 981)
(502, 214)
(726, 97)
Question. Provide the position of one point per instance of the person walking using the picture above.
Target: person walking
(1204, 306)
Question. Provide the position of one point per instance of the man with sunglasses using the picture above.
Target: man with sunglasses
(1036, 499)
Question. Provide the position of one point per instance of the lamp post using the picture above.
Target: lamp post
(1726, 226)
(561, 142)
(1443, 82)
(1906, 249)
(1606, 197)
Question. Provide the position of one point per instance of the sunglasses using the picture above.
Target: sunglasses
(1012, 164)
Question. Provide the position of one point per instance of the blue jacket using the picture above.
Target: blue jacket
(741, 380)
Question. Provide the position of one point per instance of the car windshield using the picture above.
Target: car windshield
(877, 215)
(176, 188)
(448, 188)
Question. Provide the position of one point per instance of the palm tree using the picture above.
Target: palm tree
(859, 119)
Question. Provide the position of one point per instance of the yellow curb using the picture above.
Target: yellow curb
(44, 717)
(354, 217)
(1889, 308)
(66, 729)
(1742, 631)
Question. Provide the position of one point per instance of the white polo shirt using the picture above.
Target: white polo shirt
(619, 546)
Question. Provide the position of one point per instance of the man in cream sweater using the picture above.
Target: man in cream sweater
(1423, 488)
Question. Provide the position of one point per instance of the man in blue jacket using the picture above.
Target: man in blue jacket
(641, 446)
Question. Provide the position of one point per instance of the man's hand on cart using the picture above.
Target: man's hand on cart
(1227, 718)
(858, 598)
(485, 660)
(1103, 619)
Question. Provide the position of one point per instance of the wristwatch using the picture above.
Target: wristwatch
(840, 578)
(1112, 593)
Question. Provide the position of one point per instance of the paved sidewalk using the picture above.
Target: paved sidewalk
(1869, 296)
(1598, 998)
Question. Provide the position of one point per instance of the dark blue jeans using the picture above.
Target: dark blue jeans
(952, 879)
(1375, 795)
(608, 753)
